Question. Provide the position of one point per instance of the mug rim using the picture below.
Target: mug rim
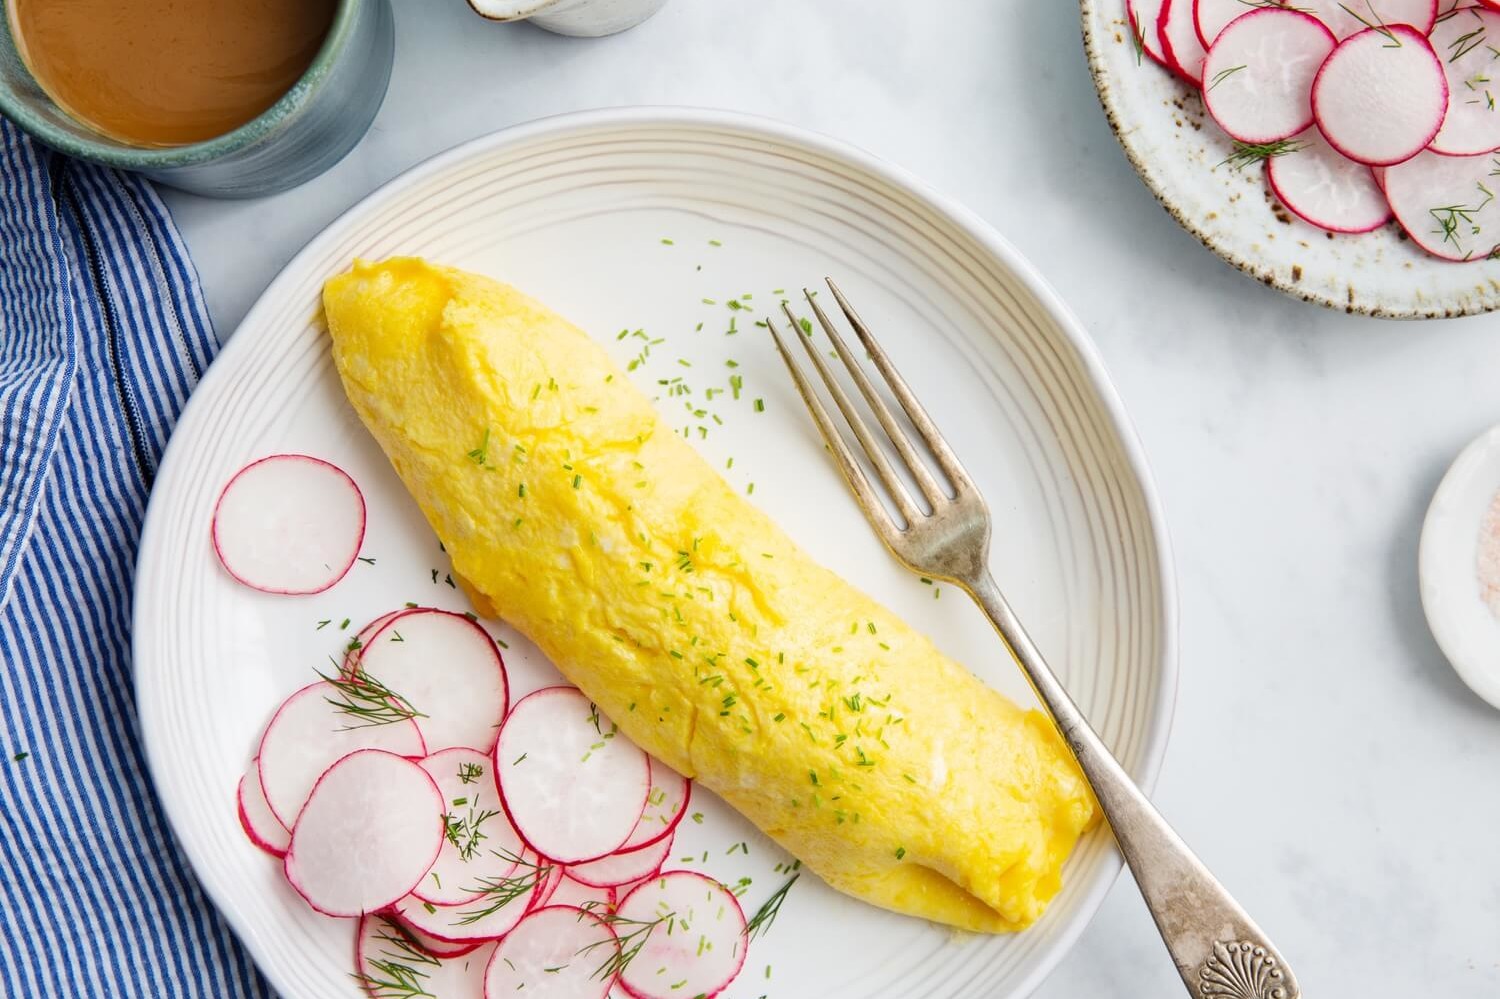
(165, 157)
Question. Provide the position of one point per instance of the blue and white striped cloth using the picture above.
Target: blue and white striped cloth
(103, 333)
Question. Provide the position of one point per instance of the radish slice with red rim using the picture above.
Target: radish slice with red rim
(557, 952)
(289, 524)
(1326, 189)
(449, 668)
(1178, 33)
(1447, 204)
(390, 962)
(1381, 96)
(489, 917)
(625, 867)
(431, 944)
(1144, 17)
(1259, 73)
(1349, 17)
(1471, 61)
(369, 831)
(573, 788)
(666, 804)
(581, 896)
(1213, 16)
(261, 825)
(363, 636)
(479, 844)
(671, 963)
(317, 726)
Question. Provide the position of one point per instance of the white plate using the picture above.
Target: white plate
(1179, 151)
(575, 210)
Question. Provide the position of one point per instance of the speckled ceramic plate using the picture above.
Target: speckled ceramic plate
(1179, 152)
(577, 210)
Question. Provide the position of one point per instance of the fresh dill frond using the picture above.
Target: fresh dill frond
(629, 937)
(1223, 75)
(766, 914)
(497, 893)
(1246, 153)
(366, 700)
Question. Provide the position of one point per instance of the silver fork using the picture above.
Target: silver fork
(1219, 951)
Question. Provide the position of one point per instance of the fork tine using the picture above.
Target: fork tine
(946, 459)
(893, 483)
(869, 502)
(914, 463)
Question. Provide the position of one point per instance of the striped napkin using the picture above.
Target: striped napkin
(103, 333)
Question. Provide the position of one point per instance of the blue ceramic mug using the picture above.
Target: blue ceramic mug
(304, 133)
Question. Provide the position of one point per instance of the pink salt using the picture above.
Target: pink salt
(1489, 556)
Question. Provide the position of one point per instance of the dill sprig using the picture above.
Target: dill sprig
(766, 914)
(1223, 75)
(395, 975)
(465, 833)
(497, 893)
(1391, 41)
(1246, 153)
(366, 700)
(468, 773)
(1452, 219)
(626, 944)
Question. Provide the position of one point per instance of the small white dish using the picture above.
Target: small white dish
(1465, 627)
(585, 18)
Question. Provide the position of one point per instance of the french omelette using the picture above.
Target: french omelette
(572, 511)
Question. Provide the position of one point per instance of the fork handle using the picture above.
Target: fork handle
(1219, 951)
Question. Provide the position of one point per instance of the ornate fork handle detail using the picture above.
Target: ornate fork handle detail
(1219, 951)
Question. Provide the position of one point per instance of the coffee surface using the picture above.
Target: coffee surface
(168, 72)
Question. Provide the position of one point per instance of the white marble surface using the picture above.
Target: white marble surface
(1326, 762)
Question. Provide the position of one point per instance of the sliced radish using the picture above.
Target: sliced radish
(558, 952)
(582, 896)
(489, 917)
(369, 831)
(1259, 73)
(1324, 188)
(665, 806)
(1178, 33)
(310, 732)
(1468, 42)
(695, 944)
(623, 868)
(449, 668)
(1447, 204)
(289, 523)
(573, 788)
(363, 636)
(1381, 96)
(1145, 20)
(479, 844)
(1349, 17)
(1213, 16)
(390, 962)
(256, 818)
(431, 944)
(556, 874)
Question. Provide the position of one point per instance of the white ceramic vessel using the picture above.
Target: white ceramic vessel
(650, 219)
(589, 18)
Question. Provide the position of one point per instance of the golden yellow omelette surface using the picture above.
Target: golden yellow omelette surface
(573, 512)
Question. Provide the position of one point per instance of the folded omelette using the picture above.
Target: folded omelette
(571, 510)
